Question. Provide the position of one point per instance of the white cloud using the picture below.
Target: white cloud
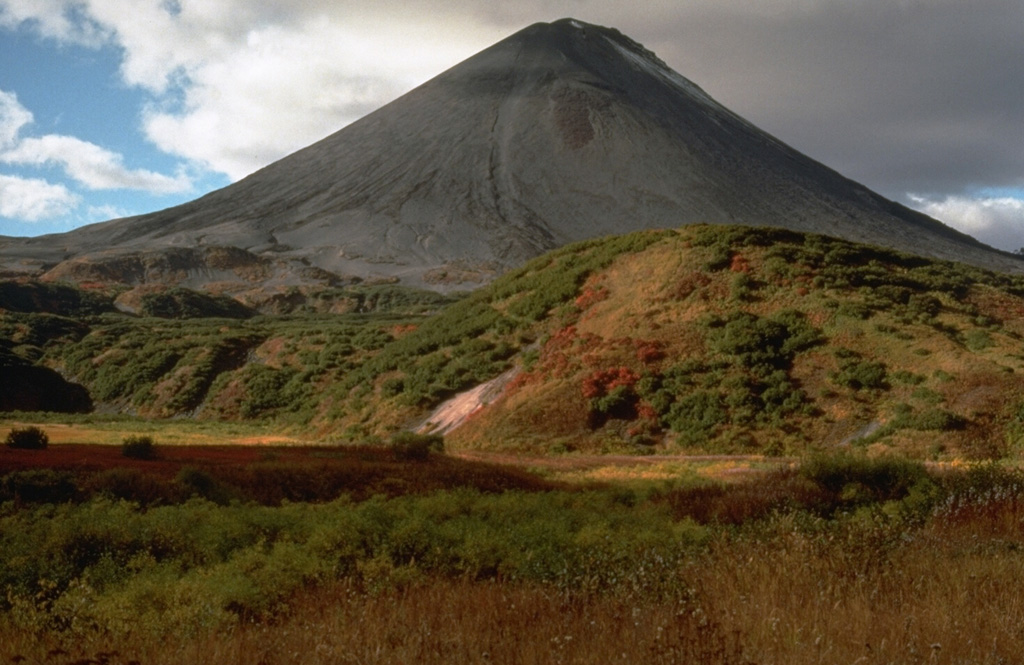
(54, 19)
(284, 87)
(33, 200)
(13, 116)
(287, 86)
(91, 165)
(103, 212)
(237, 84)
(996, 221)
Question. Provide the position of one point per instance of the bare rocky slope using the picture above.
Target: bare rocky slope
(561, 132)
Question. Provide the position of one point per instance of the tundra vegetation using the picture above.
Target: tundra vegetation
(878, 391)
(364, 554)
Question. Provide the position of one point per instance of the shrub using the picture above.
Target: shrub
(697, 415)
(742, 287)
(138, 447)
(977, 340)
(181, 303)
(413, 446)
(855, 479)
(861, 375)
(38, 486)
(392, 387)
(27, 438)
(855, 310)
(762, 344)
(131, 485)
(198, 483)
(934, 420)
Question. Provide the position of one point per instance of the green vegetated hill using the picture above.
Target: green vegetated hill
(192, 354)
(726, 340)
(737, 339)
(710, 338)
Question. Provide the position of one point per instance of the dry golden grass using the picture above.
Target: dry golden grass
(800, 602)
(660, 470)
(439, 622)
(796, 600)
(177, 433)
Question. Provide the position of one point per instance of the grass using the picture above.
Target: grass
(662, 472)
(111, 430)
(843, 559)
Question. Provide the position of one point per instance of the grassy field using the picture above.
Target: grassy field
(383, 554)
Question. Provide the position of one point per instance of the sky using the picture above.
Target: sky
(110, 108)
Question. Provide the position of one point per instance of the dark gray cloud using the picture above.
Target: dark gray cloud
(911, 95)
(923, 97)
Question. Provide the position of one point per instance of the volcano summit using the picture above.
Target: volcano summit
(560, 132)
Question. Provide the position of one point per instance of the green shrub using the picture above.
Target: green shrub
(932, 420)
(854, 310)
(761, 344)
(742, 287)
(27, 438)
(859, 374)
(138, 447)
(908, 378)
(38, 486)
(392, 387)
(198, 483)
(977, 340)
(928, 395)
(697, 415)
(857, 479)
(181, 303)
(264, 389)
(418, 447)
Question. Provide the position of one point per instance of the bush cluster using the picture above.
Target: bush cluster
(418, 447)
(182, 303)
(138, 447)
(199, 565)
(745, 381)
(858, 374)
(27, 438)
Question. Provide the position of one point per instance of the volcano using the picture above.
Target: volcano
(561, 132)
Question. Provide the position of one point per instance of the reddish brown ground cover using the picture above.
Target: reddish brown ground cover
(264, 474)
(168, 461)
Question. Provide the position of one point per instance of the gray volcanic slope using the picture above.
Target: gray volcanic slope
(561, 132)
